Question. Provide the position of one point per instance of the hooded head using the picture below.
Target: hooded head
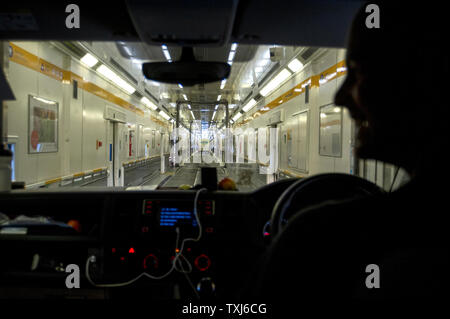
(395, 88)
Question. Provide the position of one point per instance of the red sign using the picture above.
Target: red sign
(34, 139)
(130, 147)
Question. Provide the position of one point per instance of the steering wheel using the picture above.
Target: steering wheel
(317, 189)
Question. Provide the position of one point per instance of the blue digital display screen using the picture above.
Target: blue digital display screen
(173, 217)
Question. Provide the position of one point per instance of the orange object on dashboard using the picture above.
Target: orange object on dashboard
(227, 184)
(75, 224)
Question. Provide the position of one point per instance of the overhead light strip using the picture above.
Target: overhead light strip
(89, 60)
(166, 53)
(164, 115)
(249, 105)
(275, 82)
(148, 103)
(112, 76)
(232, 53)
(295, 65)
(237, 116)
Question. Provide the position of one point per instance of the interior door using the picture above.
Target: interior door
(115, 148)
(110, 152)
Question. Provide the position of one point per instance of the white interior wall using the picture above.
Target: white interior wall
(80, 121)
(324, 95)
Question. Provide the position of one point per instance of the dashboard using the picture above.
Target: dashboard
(131, 244)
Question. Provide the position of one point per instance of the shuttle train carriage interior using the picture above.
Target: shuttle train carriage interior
(172, 150)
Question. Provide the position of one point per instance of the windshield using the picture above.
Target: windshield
(84, 115)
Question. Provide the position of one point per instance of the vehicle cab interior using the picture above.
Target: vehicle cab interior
(190, 151)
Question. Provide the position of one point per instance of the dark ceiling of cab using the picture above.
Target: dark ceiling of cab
(180, 22)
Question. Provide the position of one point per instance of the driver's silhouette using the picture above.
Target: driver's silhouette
(396, 91)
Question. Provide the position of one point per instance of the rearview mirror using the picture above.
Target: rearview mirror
(187, 71)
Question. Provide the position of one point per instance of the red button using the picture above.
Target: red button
(202, 262)
(150, 261)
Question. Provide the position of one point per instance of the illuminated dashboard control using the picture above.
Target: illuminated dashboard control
(150, 262)
(202, 262)
(206, 286)
(148, 207)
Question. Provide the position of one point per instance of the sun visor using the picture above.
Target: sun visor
(184, 23)
(323, 23)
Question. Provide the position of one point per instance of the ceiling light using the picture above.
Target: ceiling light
(149, 103)
(231, 55)
(218, 98)
(231, 106)
(230, 62)
(214, 114)
(163, 114)
(185, 97)
(233, 47)
(222, 84)
(166, 53)
(108, 73)
(337, 109)
(89, 60)
(295, 65)
(180, 85)
(192, 115)
(189, 106)
(238, 115)
(249, 105)
(275, 82)
(217, 106)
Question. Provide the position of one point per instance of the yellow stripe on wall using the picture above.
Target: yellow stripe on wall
(37, 64)
(297, 90)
